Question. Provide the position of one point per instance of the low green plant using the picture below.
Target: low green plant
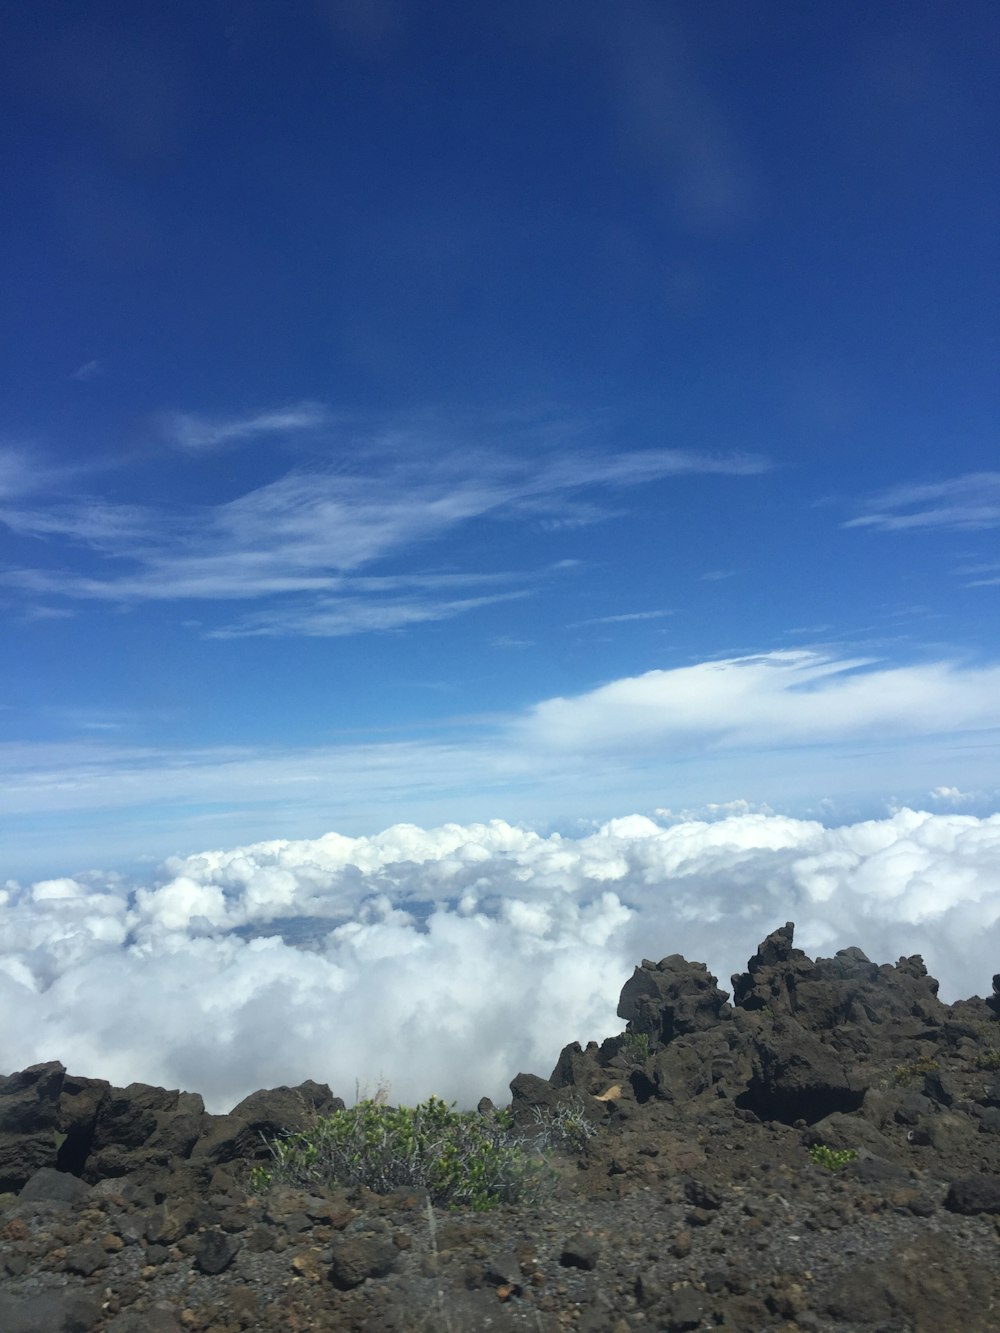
(635, 1047)
(924, 1064)
(832, 1159)
(461, 1158)
(988, 1059)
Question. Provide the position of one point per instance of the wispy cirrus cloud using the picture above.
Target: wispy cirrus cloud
(985, 575)
(311, 533)
(90, 370)
(19, 472)
(189, 430)
(332, 618)
(967, 502)
(621, 619)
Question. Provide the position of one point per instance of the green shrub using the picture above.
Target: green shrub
(461, 1158)
(924, 1064)
(833, 1159)
(988, 1059)
(635, 1047)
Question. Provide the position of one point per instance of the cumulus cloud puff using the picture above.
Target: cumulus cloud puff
(446, 960)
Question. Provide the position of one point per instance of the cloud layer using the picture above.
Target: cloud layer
(446, 960)
(801, 731)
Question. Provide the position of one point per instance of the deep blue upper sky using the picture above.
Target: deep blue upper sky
(374, 372)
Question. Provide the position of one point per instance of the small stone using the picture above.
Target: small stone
(215, 1252)
(702, 1195)
(85, 1259)
(686, 1310)
(307, 1264)
(580, 1251)
(358, 1257)
(681, 1247)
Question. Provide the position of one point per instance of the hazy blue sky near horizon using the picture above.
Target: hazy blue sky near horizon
(417, 412)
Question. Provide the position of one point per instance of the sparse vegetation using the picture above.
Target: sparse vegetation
(461, 1158)
(924, 1064)
(988, 1059)
(831, 1159)
(635, 1047)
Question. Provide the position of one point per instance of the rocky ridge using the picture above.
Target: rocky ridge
(696, 1204)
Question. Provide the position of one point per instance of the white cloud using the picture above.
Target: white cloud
(191, 431)
(90, 370)
(967, 502)
(622, 618)
(952, 796)
(19, 473)
(778, 698)
(330, 618)
(447, 959)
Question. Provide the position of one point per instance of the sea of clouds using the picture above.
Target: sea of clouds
(447, 960)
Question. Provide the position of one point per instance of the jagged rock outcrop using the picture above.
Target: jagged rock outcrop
(803, 1041)
(84, 1126)
(672, 998)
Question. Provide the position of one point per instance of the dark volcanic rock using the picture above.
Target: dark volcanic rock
(29, 1121)
(49, 1312)
(356, 1258)
(974, 1194)
(847, 988)
(273, 1111)
(797, 1077)
(54, 1187)
(670, 998)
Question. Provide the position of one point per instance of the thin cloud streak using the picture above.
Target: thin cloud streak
(90, 370)
(193, 432)
(19, 473)
(329, 618)
(621, 619)
(968, 502)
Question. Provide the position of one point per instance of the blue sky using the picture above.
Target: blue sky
(545, 412)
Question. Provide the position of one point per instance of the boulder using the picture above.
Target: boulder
(29, 1122)
(269, 1112)
(798, 1077)
(671, 998)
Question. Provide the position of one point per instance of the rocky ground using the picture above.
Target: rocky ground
(696, 1204)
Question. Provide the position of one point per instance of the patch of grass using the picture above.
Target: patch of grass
(832, 1159)
(461, 1158)
(925, 1064)
(988, 1059)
